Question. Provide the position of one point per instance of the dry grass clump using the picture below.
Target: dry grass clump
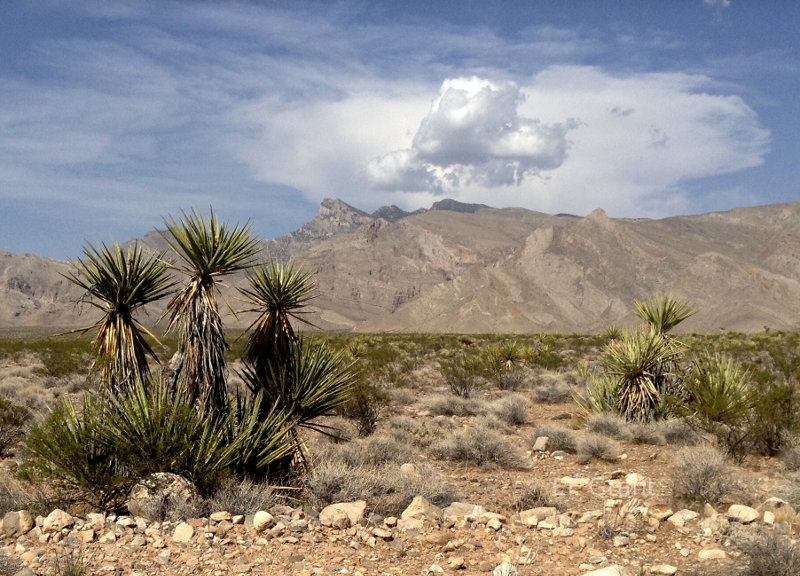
(481, 447)
(701, 475)
(242, 497)
(511, 409)
(553, 390)
(9, 566)
(536, 494)
(452, 405)
(375, 450)
(791, 455)
(386, 488)
(678, 433)
(401, 396)
(771, 554)
(650, 433)
(599, 447)
(608, 424)
(559, 438)
(421, 432)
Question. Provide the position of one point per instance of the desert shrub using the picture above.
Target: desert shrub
(771, 554)
(9, 566)
(552, 392)
(374, 451)
(791, 456)
(242, 497)
(537, 494)
(481, 447)
(775, 416)
(12, 421)
(364, 405)
(98, 455)
(422, 433)
(701, 475)
(402, 396)
(452, 405)
(608, 424)
(69, 564)
(559, 438)
(386, 488)
(512, 409)
(462, 375)
(650, 433)
(597, 446)
(677, 431)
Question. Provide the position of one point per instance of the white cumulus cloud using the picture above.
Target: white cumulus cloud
(472, 134)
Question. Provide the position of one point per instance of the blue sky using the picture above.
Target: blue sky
(114, 115)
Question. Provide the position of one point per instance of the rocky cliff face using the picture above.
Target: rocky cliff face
(470, 268)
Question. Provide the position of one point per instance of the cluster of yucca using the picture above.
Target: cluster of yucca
(138, 425)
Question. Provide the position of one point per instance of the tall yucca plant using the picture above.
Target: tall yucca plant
(663, 312)
(278, 293)
(637, 359)
(207, 249)
(119, 283)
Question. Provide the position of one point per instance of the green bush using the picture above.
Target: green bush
(364, 405)
(99, 455)
(12, 422)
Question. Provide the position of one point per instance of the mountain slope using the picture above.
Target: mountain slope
(470, 268)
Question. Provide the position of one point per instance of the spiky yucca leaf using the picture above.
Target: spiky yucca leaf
(600, 396)
(308, 383)
(663, 312)
(119, 283)
(278, 293)
(719, 390)
(208, 249)
(637, 360)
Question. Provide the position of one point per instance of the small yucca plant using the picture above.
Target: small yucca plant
(663, 312)
(207, 249)
(119, 283)
(636, 361)
(278, 293)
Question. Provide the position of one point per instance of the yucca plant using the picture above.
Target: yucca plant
(308, 382)
(636, 360)
(119, 283)
(663, 312)
(278, 293)
(207, 249)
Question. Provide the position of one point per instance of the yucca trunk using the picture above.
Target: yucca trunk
(202, 345)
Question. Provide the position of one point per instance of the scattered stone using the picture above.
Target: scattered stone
(262, 520)
(152, 492)
(334, 517)
(457, 563)
(17, 523)
(540, 445)
(183, 533)
(743, 514)
(533, 516)
(505, 569)
(663, 569)
(660, 512)
(56, 521)
(712, 554)
(421, 508)
(574, 483)
(410, 470)
(614, 570)
(681, 517)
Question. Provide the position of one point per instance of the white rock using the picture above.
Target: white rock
(712, 554)
(663, 569)
(57, 520)
(505, 569)
(615, 570)
(183, 533)
(681, 517)
(262, 520)
(541, 444)
(743, 514)
(421, 508)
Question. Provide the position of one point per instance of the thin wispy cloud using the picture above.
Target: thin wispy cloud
(125, 112)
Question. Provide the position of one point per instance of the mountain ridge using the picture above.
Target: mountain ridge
(470, 268)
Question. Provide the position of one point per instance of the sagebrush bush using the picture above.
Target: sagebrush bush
(677, 431)
(536, 494)
(608, 424)
(771, 554)
(559, 438)
(511, 409)
(701, 475)
(597, 446)
(649, 433)
(386, 488)
(12, 422)
(242, 497)
(552, 391)
(376, 450)
(480, 447)
(452, 405)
